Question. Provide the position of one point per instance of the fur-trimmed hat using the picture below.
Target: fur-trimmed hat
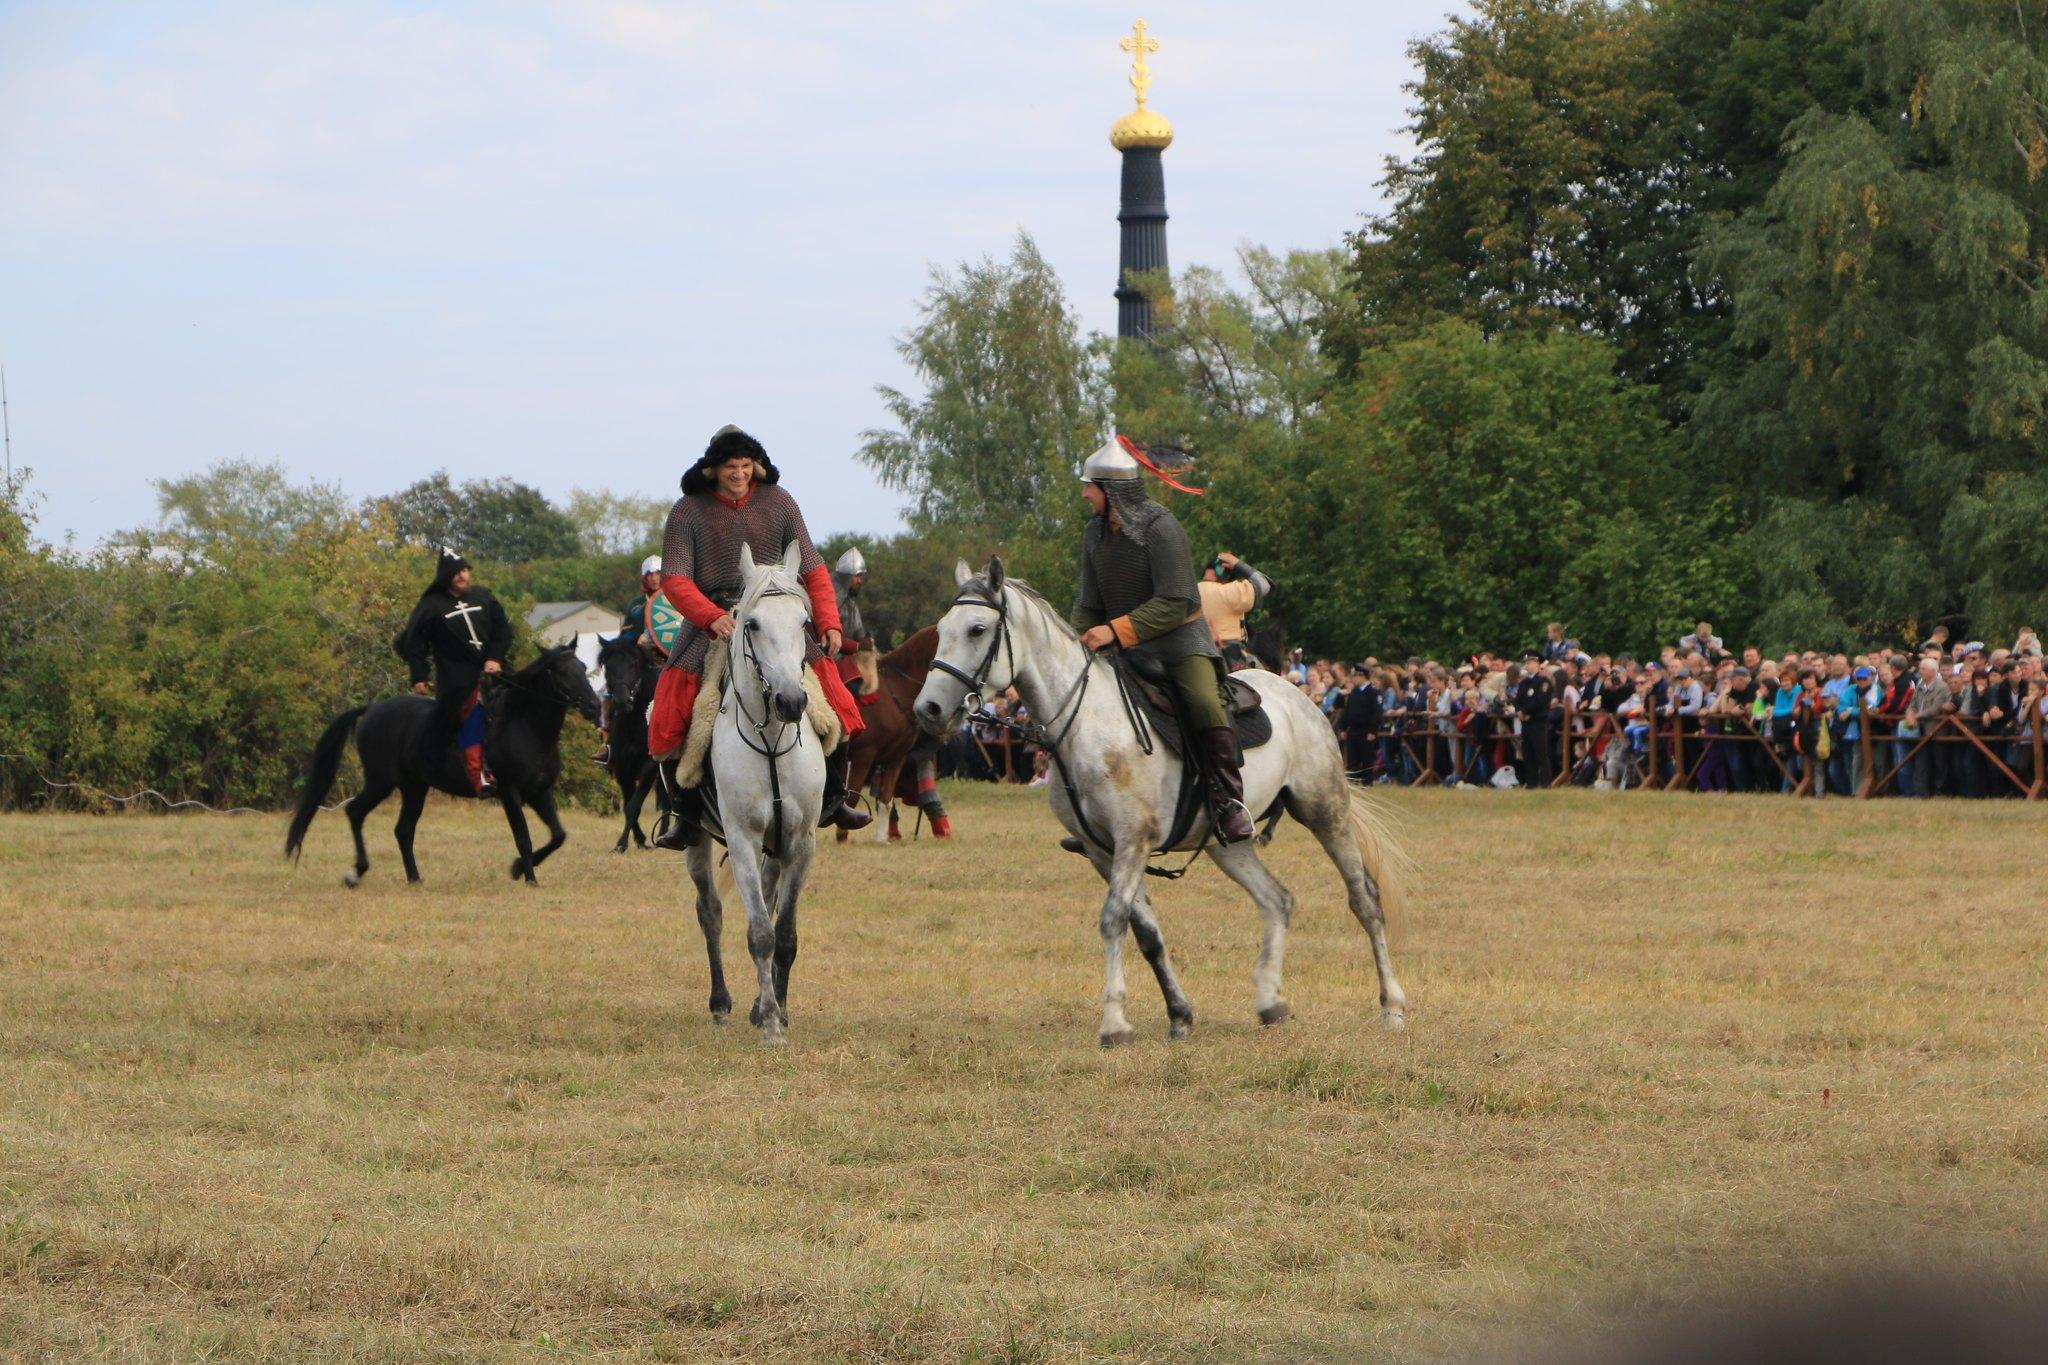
(728, 443)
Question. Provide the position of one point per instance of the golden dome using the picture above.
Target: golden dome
(1141, 127)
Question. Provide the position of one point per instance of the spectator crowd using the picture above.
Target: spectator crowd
(1946, 719)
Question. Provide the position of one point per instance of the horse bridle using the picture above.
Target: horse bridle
(978, 679)
(1040, 732)
(759, 741)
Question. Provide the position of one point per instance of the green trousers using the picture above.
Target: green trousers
(1199, 679)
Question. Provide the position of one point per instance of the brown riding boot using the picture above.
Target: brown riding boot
(1225, 762)
(680, 829)
(839, 809)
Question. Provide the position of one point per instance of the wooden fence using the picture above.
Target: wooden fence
(1675, 749)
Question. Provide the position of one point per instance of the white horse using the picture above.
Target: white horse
(999, 633)
(770, 770)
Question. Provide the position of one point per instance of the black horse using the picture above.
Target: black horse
(630, 673)
(523, 750)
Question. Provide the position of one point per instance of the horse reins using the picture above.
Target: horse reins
(1039, 732)
(765, 747)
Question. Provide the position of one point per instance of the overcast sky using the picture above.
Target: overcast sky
(566, 241)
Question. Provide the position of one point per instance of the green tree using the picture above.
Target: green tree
(1012, 402)
(1236, 356)
(1887, 290)
(498, 519)
(610, 523)
(1464, 490)
(509, 520)
(1542, 193)
(427, 512)
(247, 501)
(1573, 155)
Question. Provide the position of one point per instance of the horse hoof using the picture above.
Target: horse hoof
(755, 1015)
(775, 1039)
(1394, 1020)
(1121, 1038)
(1274, 1014)
(1178, 1029)
(351, 880)
(720, 1018)
(518, 868)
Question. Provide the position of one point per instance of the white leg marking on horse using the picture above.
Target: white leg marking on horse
(1331, 822)
(1276, 906)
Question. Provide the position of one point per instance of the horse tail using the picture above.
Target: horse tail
(1374, 829)
(326, 762)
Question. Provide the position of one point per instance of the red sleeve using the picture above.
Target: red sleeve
(699, 610)
(824, 602)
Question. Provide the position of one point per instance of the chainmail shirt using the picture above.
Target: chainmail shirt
(702, 543)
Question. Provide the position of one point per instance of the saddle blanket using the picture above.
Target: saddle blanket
(696, 751)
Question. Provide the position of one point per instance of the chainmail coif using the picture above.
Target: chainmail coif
(1134, 508)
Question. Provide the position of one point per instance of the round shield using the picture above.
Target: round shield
(664, 622)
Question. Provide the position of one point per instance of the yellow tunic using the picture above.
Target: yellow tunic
(1224, 606)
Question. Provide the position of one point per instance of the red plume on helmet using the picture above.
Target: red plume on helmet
(1160, 457)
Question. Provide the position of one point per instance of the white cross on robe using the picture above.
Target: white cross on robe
(465, 611)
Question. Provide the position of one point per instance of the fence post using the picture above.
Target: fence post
(1650, 715)
(1863, 744)
(2034, 718)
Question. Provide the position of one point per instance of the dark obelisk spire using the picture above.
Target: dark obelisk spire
(1141, 136)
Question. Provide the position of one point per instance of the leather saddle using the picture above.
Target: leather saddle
(1149, 684)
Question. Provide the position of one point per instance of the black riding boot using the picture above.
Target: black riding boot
(681, 828)
(1226, 784)
(838, 809)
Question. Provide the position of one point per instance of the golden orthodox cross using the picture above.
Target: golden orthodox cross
(1138, 44)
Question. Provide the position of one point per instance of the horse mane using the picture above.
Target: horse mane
(771, 576)
(979, 583)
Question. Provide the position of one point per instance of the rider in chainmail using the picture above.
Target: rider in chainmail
(848, 575)
(1138, 592)
(701, 577)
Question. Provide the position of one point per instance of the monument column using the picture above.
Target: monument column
(1141, 136)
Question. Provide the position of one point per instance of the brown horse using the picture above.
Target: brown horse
(878, 754)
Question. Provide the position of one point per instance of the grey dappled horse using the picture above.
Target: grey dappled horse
(770, 771)
(1000, 634)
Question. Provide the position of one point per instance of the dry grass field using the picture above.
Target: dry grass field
(1654, 1043)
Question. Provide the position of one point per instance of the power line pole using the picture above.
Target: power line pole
(6, 430)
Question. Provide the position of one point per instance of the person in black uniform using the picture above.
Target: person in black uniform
(1364, 711)
(457, 634)
(1531, 699)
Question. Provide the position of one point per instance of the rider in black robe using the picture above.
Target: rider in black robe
(456, 634)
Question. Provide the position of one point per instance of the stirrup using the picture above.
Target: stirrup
(1220, 808)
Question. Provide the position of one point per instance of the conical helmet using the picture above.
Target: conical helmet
(1113, 461)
